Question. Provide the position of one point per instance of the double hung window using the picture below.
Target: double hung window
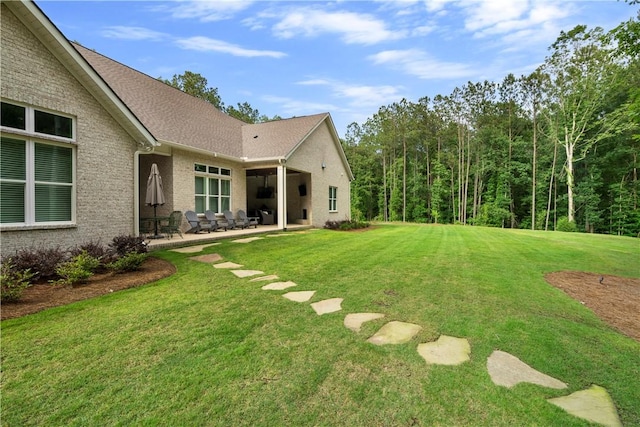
(333, 199)
(212, 188)
(37, 167)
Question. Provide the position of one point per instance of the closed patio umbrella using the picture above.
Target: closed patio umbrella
(155, 193)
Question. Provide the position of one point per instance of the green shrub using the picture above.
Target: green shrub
(13, 281)
(345, 225)
(78, 269)
(565, 225)
(130, 262)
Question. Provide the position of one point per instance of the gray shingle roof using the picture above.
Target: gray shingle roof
(178, 118)
(279, 137)
(168, 113)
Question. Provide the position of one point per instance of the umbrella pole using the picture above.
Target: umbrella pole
(155, 221)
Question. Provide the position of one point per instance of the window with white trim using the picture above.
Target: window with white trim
(37, 171)
(212, 188)
(333, 199)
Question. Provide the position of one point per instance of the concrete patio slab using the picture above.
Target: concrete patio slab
(354, 321)
(265, 278)
(445, 351)
(247, 273)
(247, 240)
(278, 286)
(327, 306)
(300, 296)
(593, 404)
(507, 370)
(193, 249)
(395, 333)
(228, 265)
(209, 258)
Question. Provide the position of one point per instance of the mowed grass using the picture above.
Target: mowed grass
(204, 347)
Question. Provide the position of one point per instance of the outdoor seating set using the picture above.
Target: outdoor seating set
(211, 223)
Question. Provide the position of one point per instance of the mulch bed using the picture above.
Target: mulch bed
(41, 296)
(614, 299)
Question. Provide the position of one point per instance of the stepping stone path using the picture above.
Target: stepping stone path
(193, 249)
(301, 296)
(354, 321)
(227, 265)
(278, 286)
(210, 258)
(327, 306)
(264, 278)
(506, 370)
(445, 351)
(246, 273)
(247, 240)
(395, 333)
(593, 404)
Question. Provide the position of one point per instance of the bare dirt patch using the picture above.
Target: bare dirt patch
(45, 295)
(615, 299)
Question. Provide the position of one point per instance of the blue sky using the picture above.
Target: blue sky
(294, 58)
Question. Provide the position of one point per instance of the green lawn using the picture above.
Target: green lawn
(206, 348)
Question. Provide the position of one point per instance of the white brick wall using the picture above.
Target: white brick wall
(319, 148)
(105, 152)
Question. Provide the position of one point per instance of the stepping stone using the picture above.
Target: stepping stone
(593, 404)
(193, 249)
(210, 258)
(446, 351)
(395, 333)
(507, 370)
(278, 286)
(227, 265)
(301, 296)
(278, 235)
(354, 321)
(247, 240)
(327, 306)
(264, 278)
(247, 273)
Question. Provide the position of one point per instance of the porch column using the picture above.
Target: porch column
(282, 197)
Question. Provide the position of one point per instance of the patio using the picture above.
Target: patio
(203, 237)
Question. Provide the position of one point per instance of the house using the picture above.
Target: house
(80, 132)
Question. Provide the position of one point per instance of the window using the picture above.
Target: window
(212, 188)
(36, 121)
(37, 167)
(36, 182)
(333, 199)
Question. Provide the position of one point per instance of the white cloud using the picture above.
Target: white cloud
(358, 96)
(206, 44)
(132, 33)
(418, 63)
(297, 107)
(354, 28)
(206, 10)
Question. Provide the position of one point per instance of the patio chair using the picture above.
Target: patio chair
(173, 224)
(210, 216)
(267, 218)
(246, 221)
(229, 222)
(196, 223)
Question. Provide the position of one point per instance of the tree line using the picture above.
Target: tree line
(555, 149)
